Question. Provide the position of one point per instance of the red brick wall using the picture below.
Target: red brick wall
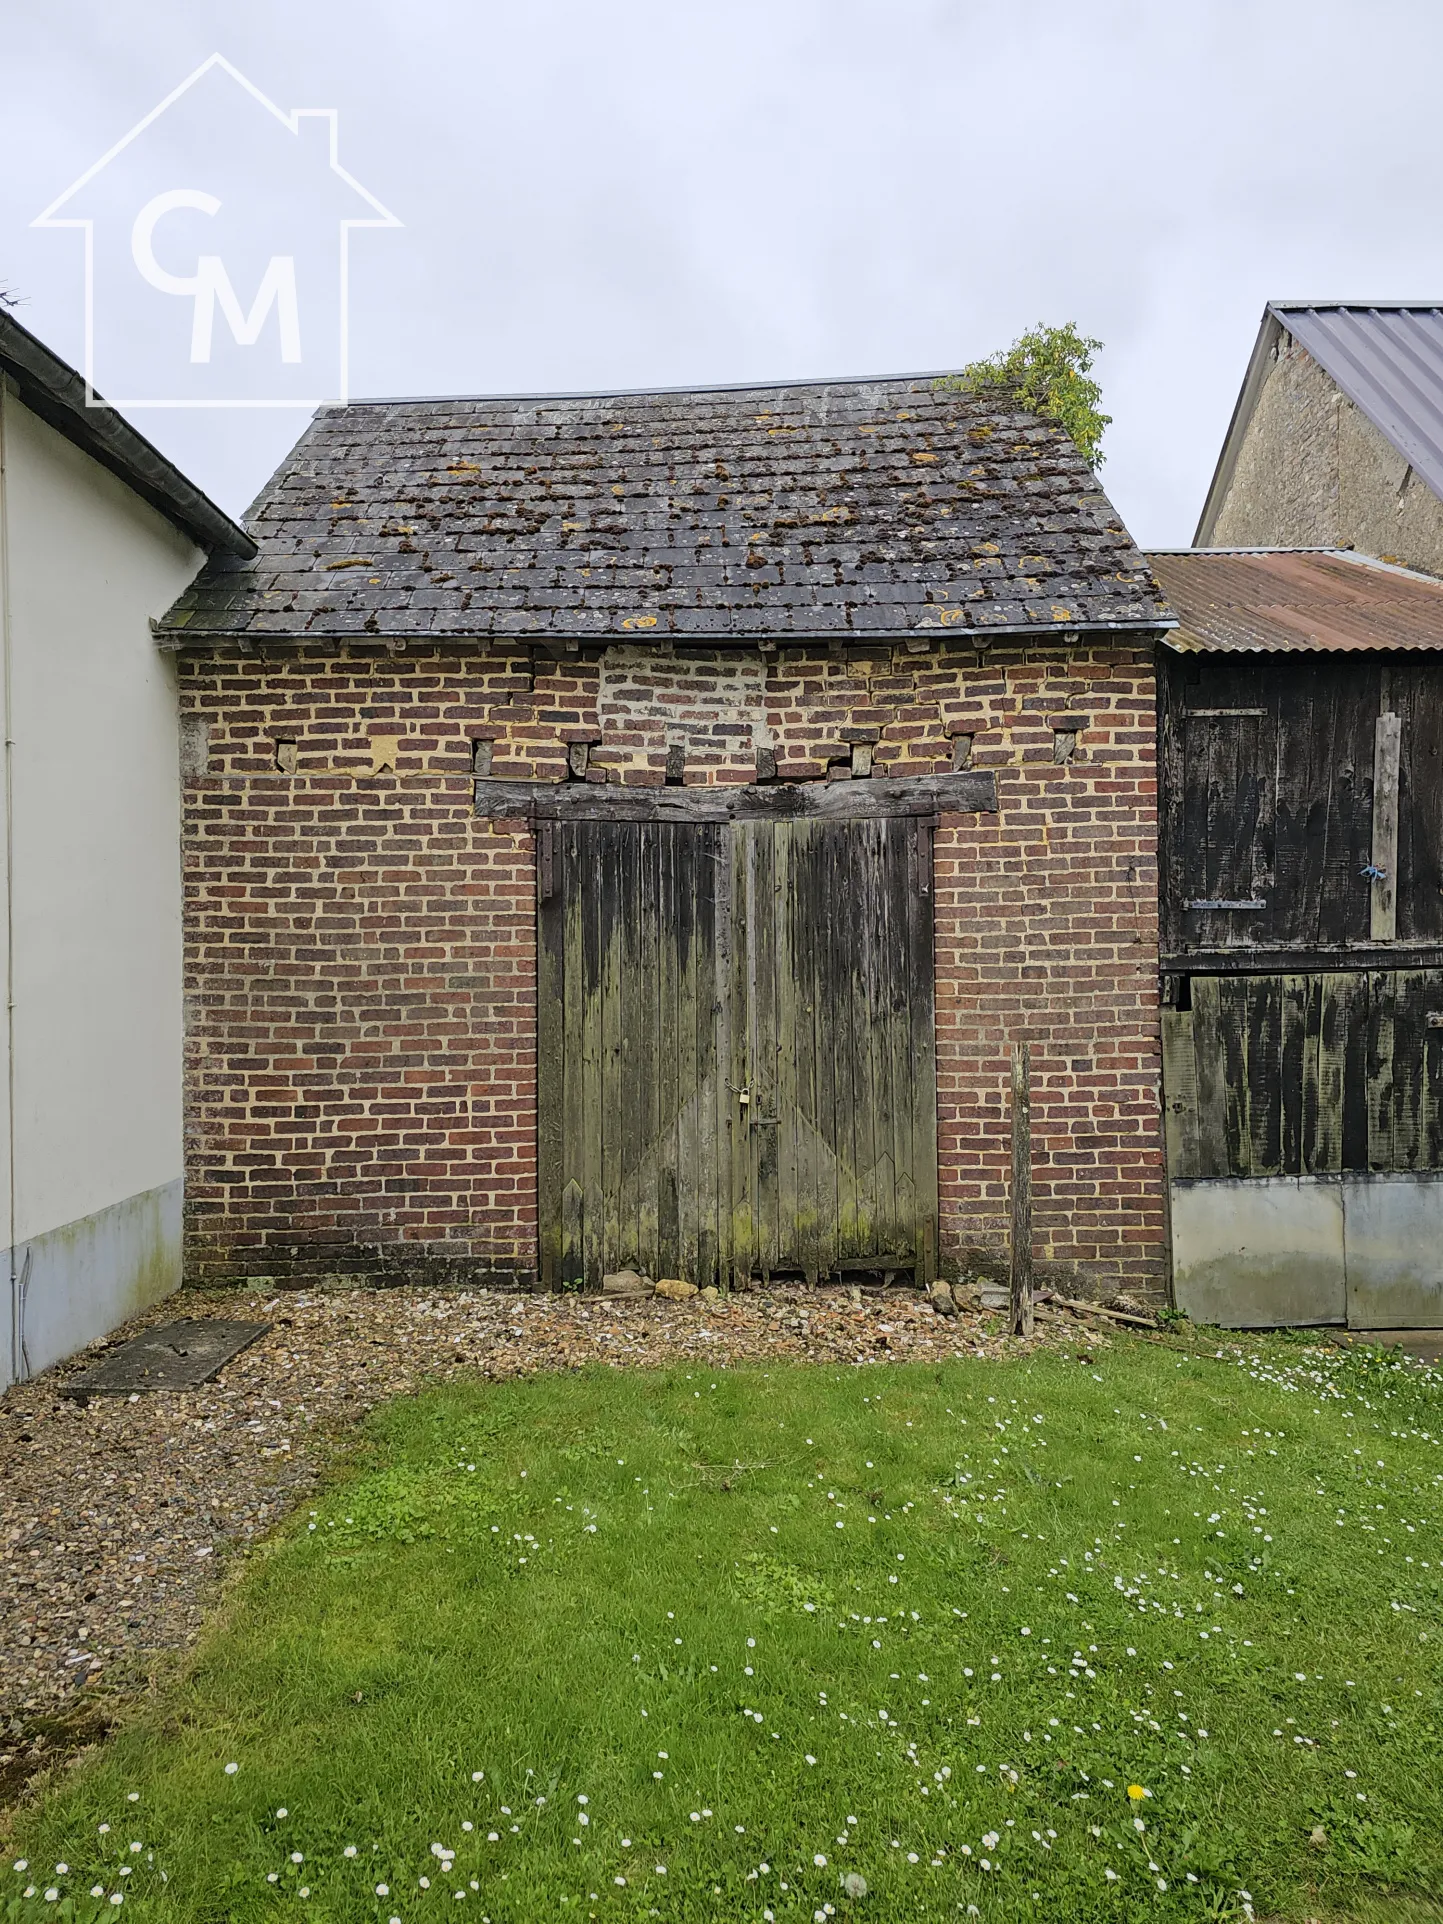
(1046, 928)
(360, 947)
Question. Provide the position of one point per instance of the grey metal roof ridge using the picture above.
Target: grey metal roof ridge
(1358, 307)
(1333, 554)
(1312, 547)
(54, 391)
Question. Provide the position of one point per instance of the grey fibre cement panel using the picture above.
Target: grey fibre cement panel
(1259, 1254)
(74, 1284)
(1279, 1251)
(177, 1356)
(1393, 1248)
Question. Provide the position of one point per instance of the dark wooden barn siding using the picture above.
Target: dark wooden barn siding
(1296, 1075)
(1267, 800)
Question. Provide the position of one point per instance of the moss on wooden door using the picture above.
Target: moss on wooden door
(737, 1071)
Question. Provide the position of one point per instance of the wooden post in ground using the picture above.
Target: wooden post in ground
(1021, 1305)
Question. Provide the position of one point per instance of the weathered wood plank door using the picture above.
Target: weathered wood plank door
(736, 1051)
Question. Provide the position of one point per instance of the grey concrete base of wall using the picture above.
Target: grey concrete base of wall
(1269, 1252)
(79, 1282)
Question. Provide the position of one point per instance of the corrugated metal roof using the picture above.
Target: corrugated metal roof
(1388, 360)
(1286, 600)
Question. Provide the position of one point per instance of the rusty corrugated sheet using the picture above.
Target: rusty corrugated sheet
(1388, 360)
(1285, 600)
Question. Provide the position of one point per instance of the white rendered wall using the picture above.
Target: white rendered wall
(95, 901)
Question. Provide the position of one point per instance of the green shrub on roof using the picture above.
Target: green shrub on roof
(1047, 370)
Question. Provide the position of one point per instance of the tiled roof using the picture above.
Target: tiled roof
(1280, 600)
(856, 508)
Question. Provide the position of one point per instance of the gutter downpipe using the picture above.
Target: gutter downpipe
(19, 1361)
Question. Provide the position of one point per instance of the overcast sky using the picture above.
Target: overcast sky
(661, 192)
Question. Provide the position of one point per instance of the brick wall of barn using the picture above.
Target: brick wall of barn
(360, 948)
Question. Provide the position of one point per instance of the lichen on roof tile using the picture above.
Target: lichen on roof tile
(813, 508)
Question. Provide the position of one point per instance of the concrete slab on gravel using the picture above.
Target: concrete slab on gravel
(1424, 1345)
(178, 1356)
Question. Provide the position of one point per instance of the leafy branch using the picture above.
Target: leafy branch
(1046, 370)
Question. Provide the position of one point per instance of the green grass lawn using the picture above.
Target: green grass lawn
(1152, 1635)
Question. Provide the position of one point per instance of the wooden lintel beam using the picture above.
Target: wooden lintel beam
(972, 792)
(1303, 961)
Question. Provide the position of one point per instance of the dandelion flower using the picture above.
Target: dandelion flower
(1136, 1793)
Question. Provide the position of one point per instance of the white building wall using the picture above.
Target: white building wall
(90, 1191)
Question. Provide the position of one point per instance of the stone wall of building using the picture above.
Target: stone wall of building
(360, 946)
(1313, 471)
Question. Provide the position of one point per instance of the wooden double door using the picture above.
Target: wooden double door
(737, 1070)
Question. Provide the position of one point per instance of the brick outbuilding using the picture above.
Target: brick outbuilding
(633, 829)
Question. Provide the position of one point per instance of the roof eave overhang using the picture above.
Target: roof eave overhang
(1183, 642)
(180, 640)
(57, 395)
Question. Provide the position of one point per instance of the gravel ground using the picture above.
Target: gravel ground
(116, 1518)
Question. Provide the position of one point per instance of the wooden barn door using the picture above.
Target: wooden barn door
(736, 1056)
